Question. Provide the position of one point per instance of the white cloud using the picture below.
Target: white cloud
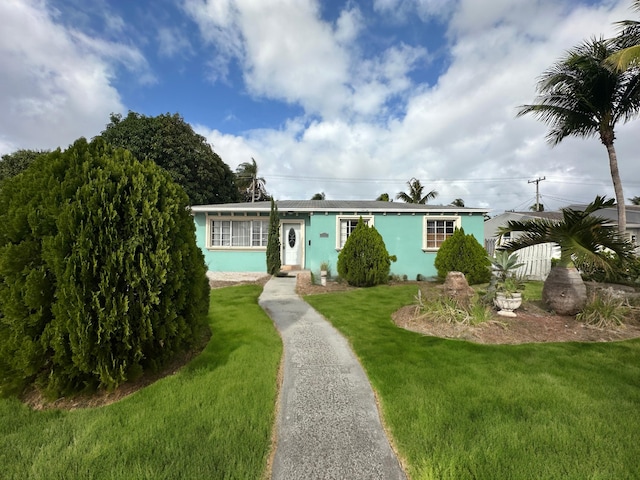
(459, 136)
(425, 9)
(173, 42)
(56, 82)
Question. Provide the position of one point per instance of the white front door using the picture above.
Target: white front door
(292, 244)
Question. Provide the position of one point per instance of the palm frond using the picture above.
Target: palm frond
(580, 234)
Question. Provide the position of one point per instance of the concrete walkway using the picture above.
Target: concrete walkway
(328, 423)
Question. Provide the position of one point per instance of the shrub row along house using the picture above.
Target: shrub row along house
(233, 236)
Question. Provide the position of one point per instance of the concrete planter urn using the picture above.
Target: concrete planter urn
(324, 270)
(507, 303)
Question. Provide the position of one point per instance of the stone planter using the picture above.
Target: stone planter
(507, 304)
(323, 278)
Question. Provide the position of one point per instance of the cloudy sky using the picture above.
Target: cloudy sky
(351, 98)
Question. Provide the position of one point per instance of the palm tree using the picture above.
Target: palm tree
(250, 185)
(579, 96)
(628, 41)
(318, 196)
(415, 193)
(383, 197)
(635, 200)
(582, 237)
(458, 202)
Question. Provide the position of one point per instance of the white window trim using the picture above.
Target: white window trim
(457, 224)
(210, 218)
(339, 218)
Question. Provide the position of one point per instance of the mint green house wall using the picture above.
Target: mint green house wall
(402, 235)
(228, 260)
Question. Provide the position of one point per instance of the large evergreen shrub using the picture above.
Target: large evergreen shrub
(273, 241)
(100, 275)
(463, 253)
(364, 260)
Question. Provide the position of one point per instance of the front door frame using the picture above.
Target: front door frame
(283, 240)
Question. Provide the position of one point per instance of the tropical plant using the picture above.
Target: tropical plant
(383, 197)
(579, 96)
(252, 187)
(604, 310)
(445, 309)
(628, 41)
(463, 253)
(415, 193)
(458, 202)
(504, 265)
(318, 196)
(172, 144)
(100, 274)
(274, 261)
(635, 200)
(364, 260)
(581, 236)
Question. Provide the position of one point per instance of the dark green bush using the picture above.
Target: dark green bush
(273, 241)
(100, 275)
(463, 253)
(364, 260)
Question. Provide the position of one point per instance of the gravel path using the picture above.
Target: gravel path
(328, 423)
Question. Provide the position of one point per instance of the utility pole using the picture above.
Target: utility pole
(537, 182)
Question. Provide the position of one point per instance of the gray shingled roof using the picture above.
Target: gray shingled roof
(548, 215)
(335, 206)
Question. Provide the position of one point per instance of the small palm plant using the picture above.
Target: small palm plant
(582, 236)
(505, 287)
(504, 265)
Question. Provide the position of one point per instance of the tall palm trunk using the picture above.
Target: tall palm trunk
(617, 186)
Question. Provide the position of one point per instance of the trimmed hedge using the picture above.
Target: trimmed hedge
(100, 274)
(463, 253)
(364, 260)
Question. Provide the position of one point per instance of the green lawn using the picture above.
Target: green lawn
(213, 419)
(458, 410)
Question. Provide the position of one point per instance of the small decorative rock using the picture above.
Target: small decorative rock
(457, 287)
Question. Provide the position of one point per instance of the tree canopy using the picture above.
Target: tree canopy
(579, 96)
(14, 163)
(628, 42)
(415, 193)
(251, 187)
(172, 144)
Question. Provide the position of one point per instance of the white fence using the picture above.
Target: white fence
(536, 259)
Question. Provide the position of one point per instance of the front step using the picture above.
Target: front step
(290, 268)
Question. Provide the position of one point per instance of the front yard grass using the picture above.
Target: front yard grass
(212, 419)
(459, 410)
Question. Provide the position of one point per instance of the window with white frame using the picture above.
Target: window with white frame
(238, 233)
(437, 230)
(346, 225)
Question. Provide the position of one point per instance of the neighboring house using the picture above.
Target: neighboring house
(536, 259)
(611, 214)
(233, 236)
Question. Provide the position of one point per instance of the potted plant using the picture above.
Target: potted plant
(505, 283)
(324, 271)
